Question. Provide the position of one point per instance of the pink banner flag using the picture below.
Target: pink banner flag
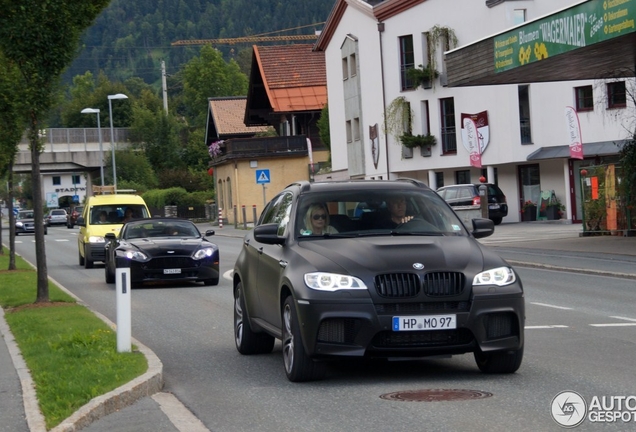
(574, 133)
(472, 139)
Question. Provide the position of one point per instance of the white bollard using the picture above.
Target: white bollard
(124, 332)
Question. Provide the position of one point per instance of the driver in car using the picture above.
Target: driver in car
(397, 213)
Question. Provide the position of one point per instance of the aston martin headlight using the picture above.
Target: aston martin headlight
(500, 276)
(203, 253)
(333, 282)
(96, 239)
(133, 255)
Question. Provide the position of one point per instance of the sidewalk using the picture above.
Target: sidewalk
(141, 406)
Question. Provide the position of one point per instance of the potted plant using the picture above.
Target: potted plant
(424, 142)
(422, 76)
(554, 210)
(529, 211)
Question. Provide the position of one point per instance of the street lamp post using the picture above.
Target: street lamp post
(99, 132)
(112, 145)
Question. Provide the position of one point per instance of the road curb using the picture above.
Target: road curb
(149, 383)
(572, 269)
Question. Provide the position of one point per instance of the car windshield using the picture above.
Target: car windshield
(157, 228)
(114, 214)
(375, 212)
(25, 214)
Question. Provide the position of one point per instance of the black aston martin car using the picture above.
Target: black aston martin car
(403, 278)
(162, 249)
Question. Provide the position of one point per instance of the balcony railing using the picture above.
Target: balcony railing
(449, 140)
(76, 139)
(262, 146)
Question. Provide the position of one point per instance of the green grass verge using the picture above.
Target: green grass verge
(71, 353)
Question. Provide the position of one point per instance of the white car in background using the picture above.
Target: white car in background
(56, 217)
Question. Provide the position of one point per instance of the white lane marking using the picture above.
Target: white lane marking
(228, 275)
(61, 240)
(551, 306)
(181, 417)
(624, 318)
(614, 325)
(545, 327)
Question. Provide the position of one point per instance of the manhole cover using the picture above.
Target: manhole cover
(435, 395)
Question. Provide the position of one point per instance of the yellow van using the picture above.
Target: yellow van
(105, 214)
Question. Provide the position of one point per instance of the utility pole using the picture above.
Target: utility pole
(164, 86)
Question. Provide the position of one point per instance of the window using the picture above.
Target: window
(616, 97)
(439, 179)
(345, 69)
(524, 114)
(462, 177)
(228, 182)
(426, 121)
(353, 64)
(356, 129)
(407, 61)
(518, 16)
(348, 127)
(76, 179)
(584, 98)
(449, 137)
(57, 181)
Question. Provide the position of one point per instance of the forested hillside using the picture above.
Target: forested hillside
(130, 38)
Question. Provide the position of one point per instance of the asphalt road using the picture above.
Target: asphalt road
(579, 336)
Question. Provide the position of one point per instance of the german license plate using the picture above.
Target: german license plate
(428, 322)
(493, 206)
(171, 271)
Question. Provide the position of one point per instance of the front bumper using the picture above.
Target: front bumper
(95, 251)
(365, 329)
(153, 270)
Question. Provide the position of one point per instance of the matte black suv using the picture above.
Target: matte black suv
(404, 278)
(468, 195)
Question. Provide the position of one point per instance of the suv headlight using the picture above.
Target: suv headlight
(203, 253)
(332, 282)
(96, 239)
(131, 255)
(18, 224)
(500, 276)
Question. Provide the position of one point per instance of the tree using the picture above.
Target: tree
(41, 37)
(210, 76)
(12, 126)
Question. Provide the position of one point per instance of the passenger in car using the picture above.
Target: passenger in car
(317, 221)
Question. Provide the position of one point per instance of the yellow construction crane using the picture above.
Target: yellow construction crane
(250, 39)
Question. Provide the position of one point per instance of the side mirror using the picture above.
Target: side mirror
(268, 234)
(110, 237)
(209, 233)
(80, 221)
(483, 227)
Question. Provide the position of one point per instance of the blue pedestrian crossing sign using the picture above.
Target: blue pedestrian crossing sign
(262, 176)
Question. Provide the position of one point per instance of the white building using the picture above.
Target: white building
(67, 187)
(369, 46)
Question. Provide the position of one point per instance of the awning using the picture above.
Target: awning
(603, 148)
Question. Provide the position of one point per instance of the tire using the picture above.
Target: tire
(247, 341)
(110, 277)
(496, 220)
(87, 263)
(298, 365)
(81, 258)
(499, 362)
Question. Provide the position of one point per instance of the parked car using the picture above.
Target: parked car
(56, 217)
(468, 195)
(370, 286)
(71, 217)
(162, 249)
(25, 223)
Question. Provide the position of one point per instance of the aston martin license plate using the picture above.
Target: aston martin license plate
(428, 322)
(171, 271)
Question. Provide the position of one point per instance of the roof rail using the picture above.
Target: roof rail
(412, 181)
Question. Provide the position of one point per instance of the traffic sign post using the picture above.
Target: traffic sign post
(263, 177)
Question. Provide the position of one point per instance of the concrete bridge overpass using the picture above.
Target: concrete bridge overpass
(71, 150)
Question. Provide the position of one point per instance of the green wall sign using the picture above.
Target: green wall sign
(579, 26)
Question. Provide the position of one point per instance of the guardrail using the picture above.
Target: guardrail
(78, 139)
